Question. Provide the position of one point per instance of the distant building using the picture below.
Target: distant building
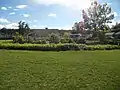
(113, 34)
(37, 33)
(76, 36)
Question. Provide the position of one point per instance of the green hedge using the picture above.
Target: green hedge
(56, 47)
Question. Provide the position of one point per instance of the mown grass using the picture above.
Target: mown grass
(85, 70)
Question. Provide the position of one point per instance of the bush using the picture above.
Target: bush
(56, 47)
(30, 40)
(18, 38)
(42, 41)
(54, 38)
(80, 41)
(70, 40)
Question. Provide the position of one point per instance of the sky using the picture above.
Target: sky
(57, 14)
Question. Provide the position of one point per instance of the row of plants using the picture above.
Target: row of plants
(56, 47)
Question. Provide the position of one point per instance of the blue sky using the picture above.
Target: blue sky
(48, 13)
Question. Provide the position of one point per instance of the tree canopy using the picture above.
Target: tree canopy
(97, 16)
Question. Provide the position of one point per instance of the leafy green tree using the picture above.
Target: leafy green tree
(66, 35)
(66, 38)
(4, 32)
(78, 28)
(22, 35)
(97, 17)
(18, 38)
(54, 38)
(23, 28)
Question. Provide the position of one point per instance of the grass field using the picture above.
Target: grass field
(85, 70)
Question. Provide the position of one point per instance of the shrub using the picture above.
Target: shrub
(54, 38)
(18, 38)
(42, 41)
(56, 47)
(30, 40)
(70, 40)
(64, 40)
(80, 41)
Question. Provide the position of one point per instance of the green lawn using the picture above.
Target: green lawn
(85, 70)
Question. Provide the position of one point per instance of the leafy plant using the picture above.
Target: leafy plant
(18, 38)
(54, 38)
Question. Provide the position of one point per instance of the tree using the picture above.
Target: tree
(66, 38)
(66, 35)
(18, 38)
(97, 17)
(4, 32)
(23, 28)
(78, 27)
(54, 38)
(22, 35)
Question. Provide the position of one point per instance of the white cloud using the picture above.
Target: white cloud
(75, 4)
(115, 14)
(9, 26)
(34, 26)
(3, 8)
(25, 15)
(109, 3)
(21, 6)
(29, 21)
(66, 27)
(52, 15)
(12, 13)
(35, 20)
(3, 20)
(12, 26)
(15, 9)
(23, 21)
(1, 26)
(9, 7)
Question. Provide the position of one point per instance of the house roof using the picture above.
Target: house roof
(46, 32)
(118, 33)
(109, 34)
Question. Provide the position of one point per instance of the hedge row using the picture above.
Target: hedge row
(56, 47)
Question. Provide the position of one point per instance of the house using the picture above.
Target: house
(110, 35)
(38, 33)
(76, 36)
(117, 35)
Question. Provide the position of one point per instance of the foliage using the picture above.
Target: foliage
(97, 18)
(22, 35)
(66, 35)
(69, 40)
(55, 47)
(66, 38)
(18, 38)
(54, 38)
(23, 28)
(78, 28)
(42, 41)
(80, 41)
